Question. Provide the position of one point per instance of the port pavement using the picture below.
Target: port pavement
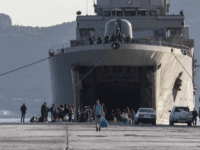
(78, 136)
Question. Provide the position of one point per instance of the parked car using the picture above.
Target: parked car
(180, 114)
(146, 115)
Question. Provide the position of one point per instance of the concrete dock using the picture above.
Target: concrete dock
(76, 136)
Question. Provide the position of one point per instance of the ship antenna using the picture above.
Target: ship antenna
(87, 8)
(115, 19)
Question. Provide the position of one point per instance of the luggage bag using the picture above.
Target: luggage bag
(104, 123)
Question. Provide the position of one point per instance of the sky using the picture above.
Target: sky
(44, 13)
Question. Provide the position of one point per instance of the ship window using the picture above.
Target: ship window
(114, 69)
(130, 13)
(142, 13)
(128, 69)
(119, 13)
(105, 69)
(106, 13)
(85, 34)
(152, 13)
(120, 68)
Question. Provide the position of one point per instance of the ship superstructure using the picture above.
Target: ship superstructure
(153, 70)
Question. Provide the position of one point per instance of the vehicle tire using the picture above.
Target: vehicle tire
(171, 123)
(154, 123)
(189, 124)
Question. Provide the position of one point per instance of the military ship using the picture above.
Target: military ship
(154, 69)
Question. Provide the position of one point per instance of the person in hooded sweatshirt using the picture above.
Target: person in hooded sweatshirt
(23, 110)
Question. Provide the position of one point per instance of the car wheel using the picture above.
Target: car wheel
(171, 123)
(189, 124)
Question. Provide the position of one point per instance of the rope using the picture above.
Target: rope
(23, 67)
(80, 80)
(186, 71)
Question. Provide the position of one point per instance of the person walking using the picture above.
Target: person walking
(52, 109)
(98, 111)
(23, 110)
(194, 118)
(43, 111)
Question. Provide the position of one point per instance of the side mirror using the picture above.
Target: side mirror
(170, 111)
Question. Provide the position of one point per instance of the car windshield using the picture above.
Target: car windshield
(179, 109)
(146, 110)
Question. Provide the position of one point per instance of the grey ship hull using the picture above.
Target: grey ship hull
(164, 97)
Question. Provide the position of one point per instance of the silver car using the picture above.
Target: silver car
(146, 115)
(180, 114)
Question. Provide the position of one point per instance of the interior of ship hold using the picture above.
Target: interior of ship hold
(117, 87)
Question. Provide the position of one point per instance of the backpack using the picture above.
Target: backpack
(95, 111)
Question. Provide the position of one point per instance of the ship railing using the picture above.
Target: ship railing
(60, 48)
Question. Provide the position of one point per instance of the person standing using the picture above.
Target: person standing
(98, 111)
(73, 111)
(86, 114)
(133, 116)
(194, 118)
(91, 40)
(78, 112)
(128, 39)
(99, 40)
(118, 115)
(43, 111)
(46, 113)
(23, 110)
(70, 113)
(52, 109)
(107, 38)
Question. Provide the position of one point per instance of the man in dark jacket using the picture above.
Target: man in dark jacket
(23, 110)
(43, 110)
(194, 119)
(99, 40)
(53, 111)
(107, 38)
(128, 39)
(91, 40)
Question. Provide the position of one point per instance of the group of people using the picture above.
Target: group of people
(126, 115)
(85, 114)
(60, 114)
(107, 39)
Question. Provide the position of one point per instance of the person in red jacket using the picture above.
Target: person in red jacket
(118, 115)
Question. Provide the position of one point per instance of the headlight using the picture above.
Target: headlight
(153, 115)
(141, 115)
